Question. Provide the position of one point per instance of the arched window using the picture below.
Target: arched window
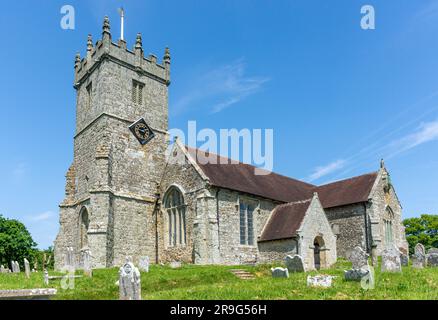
(176, 217)
(84, 222)
(387, 225)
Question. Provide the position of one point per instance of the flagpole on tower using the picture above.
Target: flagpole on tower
(122, 22)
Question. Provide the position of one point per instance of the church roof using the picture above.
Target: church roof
(239, 176)
(285, 220)
(349, 191)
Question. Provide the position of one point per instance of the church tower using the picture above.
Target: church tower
(119, 153)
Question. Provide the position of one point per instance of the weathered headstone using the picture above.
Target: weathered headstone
(86, 262)
(391, 260)
(46, 277)
(143, 264)
(419, 257)
(323, 281)
(432, 250)
(280, 272)
(358, 257)
(129, 282)
(175, 264)
(26, 268)
(374, 255)
(432, 259)
(404, 259)
(294, 263)
(356, 274)
(3, 269)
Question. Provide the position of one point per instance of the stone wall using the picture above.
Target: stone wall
(276, 251)
(316, 226)
(348, 224)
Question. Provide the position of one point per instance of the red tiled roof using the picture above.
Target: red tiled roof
(240, 177)
(284, 221)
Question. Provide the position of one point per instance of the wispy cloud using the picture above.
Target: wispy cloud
(424, 133)
(322, 171)
(42, 216)
(220, 87)
(427, 12)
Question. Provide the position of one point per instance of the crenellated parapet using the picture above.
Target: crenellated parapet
(106, 49)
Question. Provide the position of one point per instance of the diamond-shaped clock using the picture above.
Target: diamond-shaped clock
(142, 131)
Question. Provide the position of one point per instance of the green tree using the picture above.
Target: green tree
(422, 230)
(16, 243)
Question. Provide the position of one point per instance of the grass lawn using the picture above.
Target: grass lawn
(217, 282)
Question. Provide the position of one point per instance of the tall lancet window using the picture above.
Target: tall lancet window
(83, 228)
(246, 224)
(388, 227)
(176, 217)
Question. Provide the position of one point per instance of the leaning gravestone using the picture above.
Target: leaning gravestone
(432, 259)
(391, 260)
(280, 273)
(26, 268)
(143, 264)
(129, 282)
(419, 257)
(294, 263)
(358, 257)
(359, 260)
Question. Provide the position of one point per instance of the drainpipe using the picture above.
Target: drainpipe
(367, 240)
(217, 217)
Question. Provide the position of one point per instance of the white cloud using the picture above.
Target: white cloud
(220, 87)
(42, 216)
(322, 171)
(426, 132)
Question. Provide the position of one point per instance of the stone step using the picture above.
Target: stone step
(242, 274)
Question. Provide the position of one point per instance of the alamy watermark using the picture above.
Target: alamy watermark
(254, 146)
(368, 21)
(68, 18)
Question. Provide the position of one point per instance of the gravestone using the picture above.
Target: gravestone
(129, 282)
(323, 281)
(432, 260)
(175, 264)
(26, 268)
(86, 262)
(359, 260)
(294, 263)
(358, 257)
(419, 257)
(143, 264)
(404, 259)
(46, 277)
(280, 273)
(391, 260)
(432, 250)
(15, 267)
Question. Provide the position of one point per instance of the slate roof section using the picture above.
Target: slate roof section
(241, 177)
(349, 191)
(285, 220)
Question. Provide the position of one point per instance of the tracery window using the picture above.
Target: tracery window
(176, 217)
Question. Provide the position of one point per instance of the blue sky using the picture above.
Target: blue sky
(338, 98)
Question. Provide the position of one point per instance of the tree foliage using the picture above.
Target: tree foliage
(16, 243)
(422, 230)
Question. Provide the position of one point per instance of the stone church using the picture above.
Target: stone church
(126, 195)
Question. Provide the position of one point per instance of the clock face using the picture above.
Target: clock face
(142, 131)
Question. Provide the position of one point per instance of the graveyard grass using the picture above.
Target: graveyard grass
(192, 282)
